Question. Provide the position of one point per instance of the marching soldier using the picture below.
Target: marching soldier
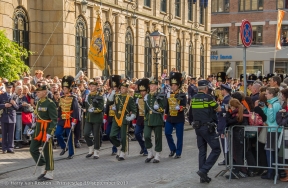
(175, 115)
(125, 111)
(203, 106)
(114, 83)
(94, 105)
(8, 109)
(46, 120)
(143, 86)
(153, 120)
(68, 115)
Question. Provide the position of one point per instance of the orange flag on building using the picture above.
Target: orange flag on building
(97, 49)
(281, 14)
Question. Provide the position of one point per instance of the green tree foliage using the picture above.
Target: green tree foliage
(11, 64)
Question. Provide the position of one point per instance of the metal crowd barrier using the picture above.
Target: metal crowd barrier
(280, 140)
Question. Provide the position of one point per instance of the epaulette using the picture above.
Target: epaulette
(50, 100)
(160, 96)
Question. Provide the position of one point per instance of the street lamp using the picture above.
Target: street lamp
(156, 39)
(84, 5)
(196, 35)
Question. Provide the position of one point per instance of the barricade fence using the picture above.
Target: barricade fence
(247, 148)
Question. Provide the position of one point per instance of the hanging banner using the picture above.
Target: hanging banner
(97, 49)
(281, 14)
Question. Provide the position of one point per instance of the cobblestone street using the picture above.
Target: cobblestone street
(108, 172)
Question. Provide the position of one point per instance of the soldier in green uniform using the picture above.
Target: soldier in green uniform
(125, 111)
(46, 120)
(153, 120)
(94, 105)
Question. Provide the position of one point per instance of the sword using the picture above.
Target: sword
(41, 153)
(68, 138)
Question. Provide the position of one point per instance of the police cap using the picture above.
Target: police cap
(226, 87)
(203, 83)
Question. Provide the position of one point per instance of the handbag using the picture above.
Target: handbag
(28, 109)
(282, 118)
(262, 137)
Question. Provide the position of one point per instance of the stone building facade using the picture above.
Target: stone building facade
(58, 33)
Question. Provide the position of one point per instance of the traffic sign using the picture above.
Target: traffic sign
(246, 33)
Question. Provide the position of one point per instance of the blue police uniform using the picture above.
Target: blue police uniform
(8, 120)
(222, 117)
(203, 106)
(192, 90)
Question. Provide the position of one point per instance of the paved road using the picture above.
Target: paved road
(108, 172)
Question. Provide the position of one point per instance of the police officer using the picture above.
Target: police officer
(8, 109)
(225, 92)
(203, 106)
(192, 90)
(176, 103)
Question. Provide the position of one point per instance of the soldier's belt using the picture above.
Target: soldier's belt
(66, 116)
(173, 112)
(42, 136)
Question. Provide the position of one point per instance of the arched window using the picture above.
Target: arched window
(109, 46)
(81, 45)
(21, 30)
(191, 60)
(147, 58)
(129, 54)
(164, 56)
(202, 60)
(178, 55)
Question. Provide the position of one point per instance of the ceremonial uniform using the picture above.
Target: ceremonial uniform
(143, 85)
(153, 120)
(123, 105)
(94, 105)
(46, 120)
(109, 113)
(203, 106)
(8, 120)
(176, 103)
(68, 114)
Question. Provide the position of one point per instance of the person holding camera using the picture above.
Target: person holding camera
(203, 106)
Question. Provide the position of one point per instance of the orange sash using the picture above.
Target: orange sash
(119, 121)
(43, 130)
(67, 123)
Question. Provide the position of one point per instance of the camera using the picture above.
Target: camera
(261, 104)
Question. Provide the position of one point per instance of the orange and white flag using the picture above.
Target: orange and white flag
(281, 14)
(97, 49)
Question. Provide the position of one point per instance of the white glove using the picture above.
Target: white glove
(131, 117)
(168, 95)
(104, 121)
(48, 136)
(73, 125)
(177, 107)
(33, 125)
(146, 97)
(91, 110)
(30, 132)
(137, 100)
(134, 124)
(114, 107)
(111, 96)
(156, 106)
